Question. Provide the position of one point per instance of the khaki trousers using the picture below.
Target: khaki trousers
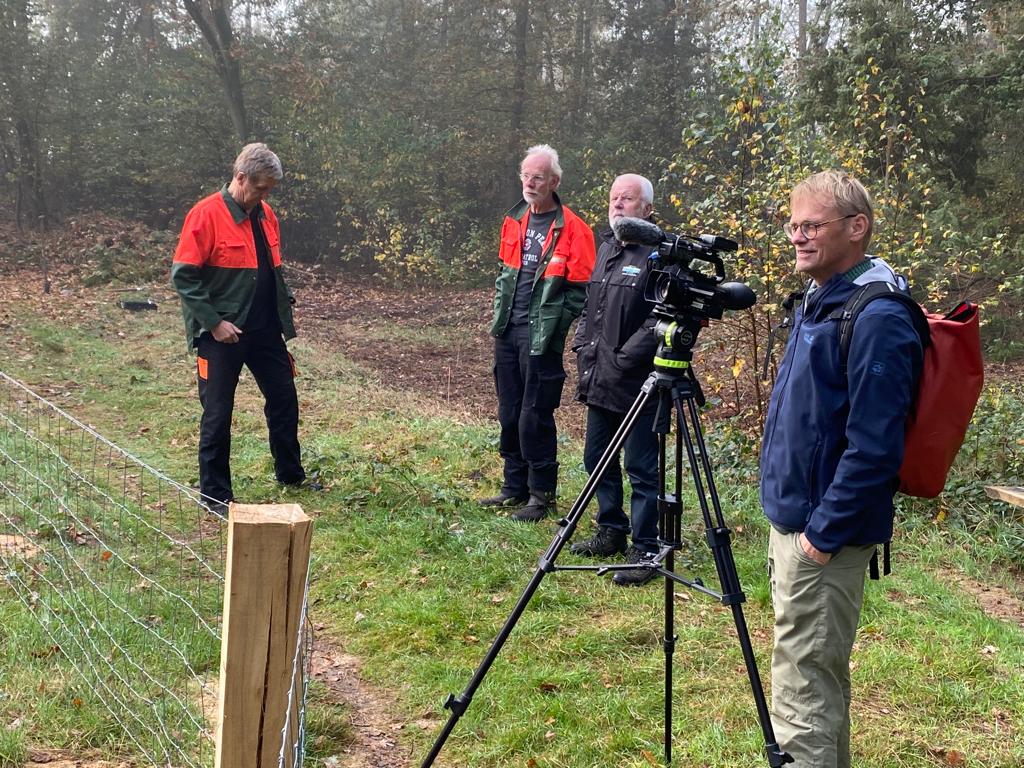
(816, 612)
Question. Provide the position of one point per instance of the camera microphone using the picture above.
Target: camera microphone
(628, 229)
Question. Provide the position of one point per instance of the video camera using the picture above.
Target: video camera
(672, 280)
(685, 299)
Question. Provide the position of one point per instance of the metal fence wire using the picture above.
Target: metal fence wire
(123, 568)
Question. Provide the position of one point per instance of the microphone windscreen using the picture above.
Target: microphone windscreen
(632, 230)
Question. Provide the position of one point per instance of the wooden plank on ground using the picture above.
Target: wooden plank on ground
(1007, 493)
(267, 562)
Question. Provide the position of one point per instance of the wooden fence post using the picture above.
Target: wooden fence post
(264, 585)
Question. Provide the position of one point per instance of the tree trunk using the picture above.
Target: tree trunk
(669, 79)
(520, 31)
(147, 29)
(16, 71)
(214, 22)
(31, 203)
(801, 34)
(581, 69)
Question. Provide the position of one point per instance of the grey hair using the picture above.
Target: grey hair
(549, 152)
(646, 188)
(257, 162)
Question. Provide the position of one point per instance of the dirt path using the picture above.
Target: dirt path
(426, 340)
(375, 729)
(47, 759)
(995, 601)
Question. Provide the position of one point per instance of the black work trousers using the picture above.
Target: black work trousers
(219, 366)
(529, 390)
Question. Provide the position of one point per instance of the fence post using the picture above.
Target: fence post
(264, 584)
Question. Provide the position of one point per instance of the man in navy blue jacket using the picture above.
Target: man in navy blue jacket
(830, 459)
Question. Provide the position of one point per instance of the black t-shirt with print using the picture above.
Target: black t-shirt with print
(537, 228)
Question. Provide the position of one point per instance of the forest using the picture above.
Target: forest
(400, 122)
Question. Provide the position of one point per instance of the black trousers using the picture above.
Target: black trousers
(219, 366)
(529, 390)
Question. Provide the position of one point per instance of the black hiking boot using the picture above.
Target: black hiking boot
(635, 577)
(605, 541)
(536, 509)
(503, 499)
(307, 484)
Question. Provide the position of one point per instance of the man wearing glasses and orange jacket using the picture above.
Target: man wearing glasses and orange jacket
(547, 255)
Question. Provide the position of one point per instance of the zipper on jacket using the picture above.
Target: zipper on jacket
(782, 392)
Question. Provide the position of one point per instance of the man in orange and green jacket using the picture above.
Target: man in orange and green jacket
(547, 255)
(238, 311)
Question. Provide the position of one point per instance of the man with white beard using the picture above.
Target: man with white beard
(615, 346)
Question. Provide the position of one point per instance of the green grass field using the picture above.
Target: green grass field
(414, 579)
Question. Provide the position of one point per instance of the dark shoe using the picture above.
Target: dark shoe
(503, 499)
(218, 508)
(536, 509)
(306, 484)
(634, 577)
(605, 541)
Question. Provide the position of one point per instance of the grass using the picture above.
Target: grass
(415, 580)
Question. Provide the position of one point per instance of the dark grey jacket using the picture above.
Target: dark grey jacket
(615, 342)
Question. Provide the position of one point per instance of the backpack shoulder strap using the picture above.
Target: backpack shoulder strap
(847, 315)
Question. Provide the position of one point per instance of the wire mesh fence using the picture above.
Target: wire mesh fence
(124, 570)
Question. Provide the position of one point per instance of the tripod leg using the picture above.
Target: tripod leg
(459, 704)
(669, 643)
(669, 523)
(718, 538)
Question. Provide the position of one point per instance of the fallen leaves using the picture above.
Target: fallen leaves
(953, 758)
(17, 546)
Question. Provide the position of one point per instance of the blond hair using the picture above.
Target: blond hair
(842, 191)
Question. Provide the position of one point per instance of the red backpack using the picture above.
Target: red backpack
(950, 384)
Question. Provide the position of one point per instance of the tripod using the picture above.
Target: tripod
(676, 387)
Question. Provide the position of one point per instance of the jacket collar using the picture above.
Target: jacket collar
(837, 289)
(237, 212)
(832, 294)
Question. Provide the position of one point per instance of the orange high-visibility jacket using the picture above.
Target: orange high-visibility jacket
(560, 284)
(215, 266)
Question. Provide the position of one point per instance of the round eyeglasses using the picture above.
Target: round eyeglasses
(809, 229)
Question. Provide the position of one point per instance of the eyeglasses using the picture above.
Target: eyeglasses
(536, 178)
(809, 229)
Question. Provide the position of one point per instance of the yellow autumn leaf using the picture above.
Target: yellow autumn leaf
(737, 367)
